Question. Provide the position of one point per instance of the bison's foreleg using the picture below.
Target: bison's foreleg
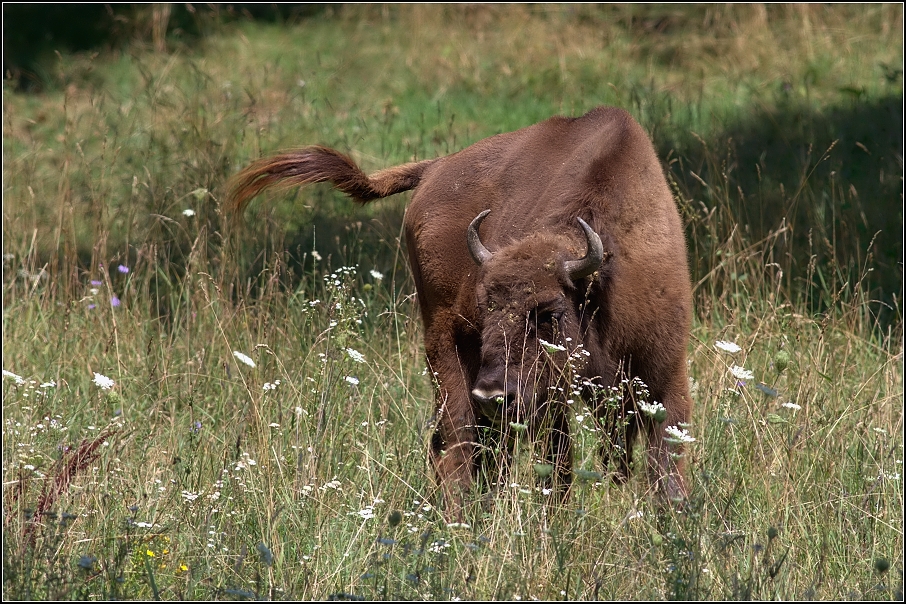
(454, 445)
(453, 453)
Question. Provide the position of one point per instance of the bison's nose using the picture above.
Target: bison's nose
(491, 395)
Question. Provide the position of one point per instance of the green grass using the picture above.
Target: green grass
(193, 478)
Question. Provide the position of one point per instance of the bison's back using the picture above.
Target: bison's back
(601, 167)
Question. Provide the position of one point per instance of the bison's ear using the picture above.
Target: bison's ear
(594, 258)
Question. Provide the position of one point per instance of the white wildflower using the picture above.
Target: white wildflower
(315, 255)
(244, 358)
(188, 212)
(693, 386)
(355, 355)
(551, 347)
(729, 347)
(103, 382)
(18, 378)
(741, 373)
(679, 435)
(189, 496)
(377, 276)
(650, 408)
(273, 425)
(271, 386)
(790, 405)
(366, 513)
(352, 380)
(50, 384)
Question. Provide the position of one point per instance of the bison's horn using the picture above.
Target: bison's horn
(576, 269)
(479, 252)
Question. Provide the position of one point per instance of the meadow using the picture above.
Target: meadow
(199, 407)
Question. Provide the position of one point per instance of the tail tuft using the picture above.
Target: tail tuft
(320, 164)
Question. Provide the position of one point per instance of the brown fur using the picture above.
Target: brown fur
(483, 323)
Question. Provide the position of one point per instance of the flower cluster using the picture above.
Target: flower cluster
(677, 435)
(244, 358)
(96, 284)
(728, 347)
(103, 382)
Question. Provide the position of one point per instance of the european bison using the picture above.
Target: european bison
(547, 261)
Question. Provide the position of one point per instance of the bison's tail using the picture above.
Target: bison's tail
(320, 164)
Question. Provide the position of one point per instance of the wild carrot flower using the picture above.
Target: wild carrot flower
(376, 275)
(103, 382)
(352, 380)
(355, 355)
(678, 435)
(366, 514)
(17, 378)
(244, 358)
(189, 496)
(551, 347)
(791, 405)
(729, 347)
(741, 373)
(655, 410)
(188, 212)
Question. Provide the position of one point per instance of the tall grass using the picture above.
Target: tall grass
(198, 475)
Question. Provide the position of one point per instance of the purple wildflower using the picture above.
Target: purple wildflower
(123, 269)
(114, 301)
(92, 306)
(96, 283)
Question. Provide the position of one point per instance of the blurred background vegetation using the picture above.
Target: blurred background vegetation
(794, 112)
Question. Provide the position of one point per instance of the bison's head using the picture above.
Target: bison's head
(532, 308)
